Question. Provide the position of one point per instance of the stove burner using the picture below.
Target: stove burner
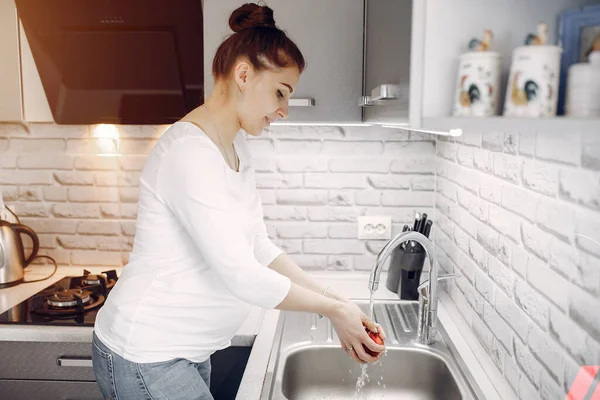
(68, 298)
(91, 280)
(72, 300)
(68, 303)
(106, 279)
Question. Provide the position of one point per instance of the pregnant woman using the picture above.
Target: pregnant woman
(201, 257)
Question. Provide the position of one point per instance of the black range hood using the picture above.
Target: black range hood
(117, 61)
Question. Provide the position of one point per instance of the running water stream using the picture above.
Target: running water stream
(363, 379)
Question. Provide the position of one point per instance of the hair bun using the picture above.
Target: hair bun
(251, 15)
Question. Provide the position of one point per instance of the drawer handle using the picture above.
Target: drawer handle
(307, 102)
(74, 362)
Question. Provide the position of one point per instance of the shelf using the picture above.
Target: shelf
(561, 125)
(449, 25)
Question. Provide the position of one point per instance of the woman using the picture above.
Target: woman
(202, 256)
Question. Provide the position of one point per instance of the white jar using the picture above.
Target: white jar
(583, 88)
(477, 84)
(532, 88)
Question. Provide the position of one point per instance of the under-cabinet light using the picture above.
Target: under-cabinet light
(320, 124)
(452, 132)
(107, 139)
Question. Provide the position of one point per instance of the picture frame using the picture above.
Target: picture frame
(577, 30)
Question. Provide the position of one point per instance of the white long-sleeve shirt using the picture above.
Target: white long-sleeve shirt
(200, 255)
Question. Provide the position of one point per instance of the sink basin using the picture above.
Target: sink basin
(328, 373)
(307, 361)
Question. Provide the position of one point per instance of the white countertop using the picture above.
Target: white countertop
(259, 328)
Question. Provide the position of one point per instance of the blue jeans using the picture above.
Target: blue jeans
(177, 379)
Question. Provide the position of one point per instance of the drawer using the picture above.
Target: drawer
(62, 361)
(34, 390)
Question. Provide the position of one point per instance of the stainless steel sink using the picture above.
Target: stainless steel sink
(307, 361)
(317, 372)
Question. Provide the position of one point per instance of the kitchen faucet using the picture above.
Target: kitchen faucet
(428, 290)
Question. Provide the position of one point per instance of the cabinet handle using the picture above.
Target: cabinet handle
(306, 102)
(74, 362)
(380, 93)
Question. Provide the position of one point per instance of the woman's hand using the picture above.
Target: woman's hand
(349, 322)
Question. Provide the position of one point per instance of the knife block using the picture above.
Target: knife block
(405, 272)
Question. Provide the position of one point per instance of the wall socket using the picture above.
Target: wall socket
(375, 228)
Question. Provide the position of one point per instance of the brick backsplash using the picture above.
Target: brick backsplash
(510, 209)
(314, 183)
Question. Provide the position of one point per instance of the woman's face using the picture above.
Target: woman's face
(265, 96)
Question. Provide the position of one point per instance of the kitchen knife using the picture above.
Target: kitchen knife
(422, 223)
(427, 228)
(417, 219)
(405, 228)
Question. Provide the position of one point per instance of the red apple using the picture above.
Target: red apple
(376, 338)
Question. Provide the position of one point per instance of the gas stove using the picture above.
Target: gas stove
(73, 300)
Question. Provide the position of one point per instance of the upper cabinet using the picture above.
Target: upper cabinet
(330, 36)
(10, 87)
(22, 96)
(353, 48)
(387, 74)
(35, 103)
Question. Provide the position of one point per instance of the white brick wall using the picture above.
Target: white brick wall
(532, 284)
(314, 182)
(508, 213)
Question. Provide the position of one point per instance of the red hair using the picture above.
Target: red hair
(257, 38)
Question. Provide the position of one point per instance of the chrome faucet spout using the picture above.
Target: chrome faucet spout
(428, 309)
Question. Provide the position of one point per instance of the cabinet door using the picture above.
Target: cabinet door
(35, 103)
(388, 51)
(330, 36)
(48, 390)
(51, 361)
(10, 80)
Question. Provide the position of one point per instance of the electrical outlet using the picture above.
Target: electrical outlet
(378, 227)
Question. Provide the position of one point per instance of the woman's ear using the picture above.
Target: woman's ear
(242, 73)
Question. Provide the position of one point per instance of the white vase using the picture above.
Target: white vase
(477, 84)
(583, 88)
(532, 88)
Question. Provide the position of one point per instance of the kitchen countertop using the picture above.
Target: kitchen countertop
(259, 328)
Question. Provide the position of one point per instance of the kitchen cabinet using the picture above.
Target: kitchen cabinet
(352, 48)
(330, 36)
(10, 69)
(48, 390)
(22, 96)
(387, 60)
(35, 103)
(49, 370)
(59, 370)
